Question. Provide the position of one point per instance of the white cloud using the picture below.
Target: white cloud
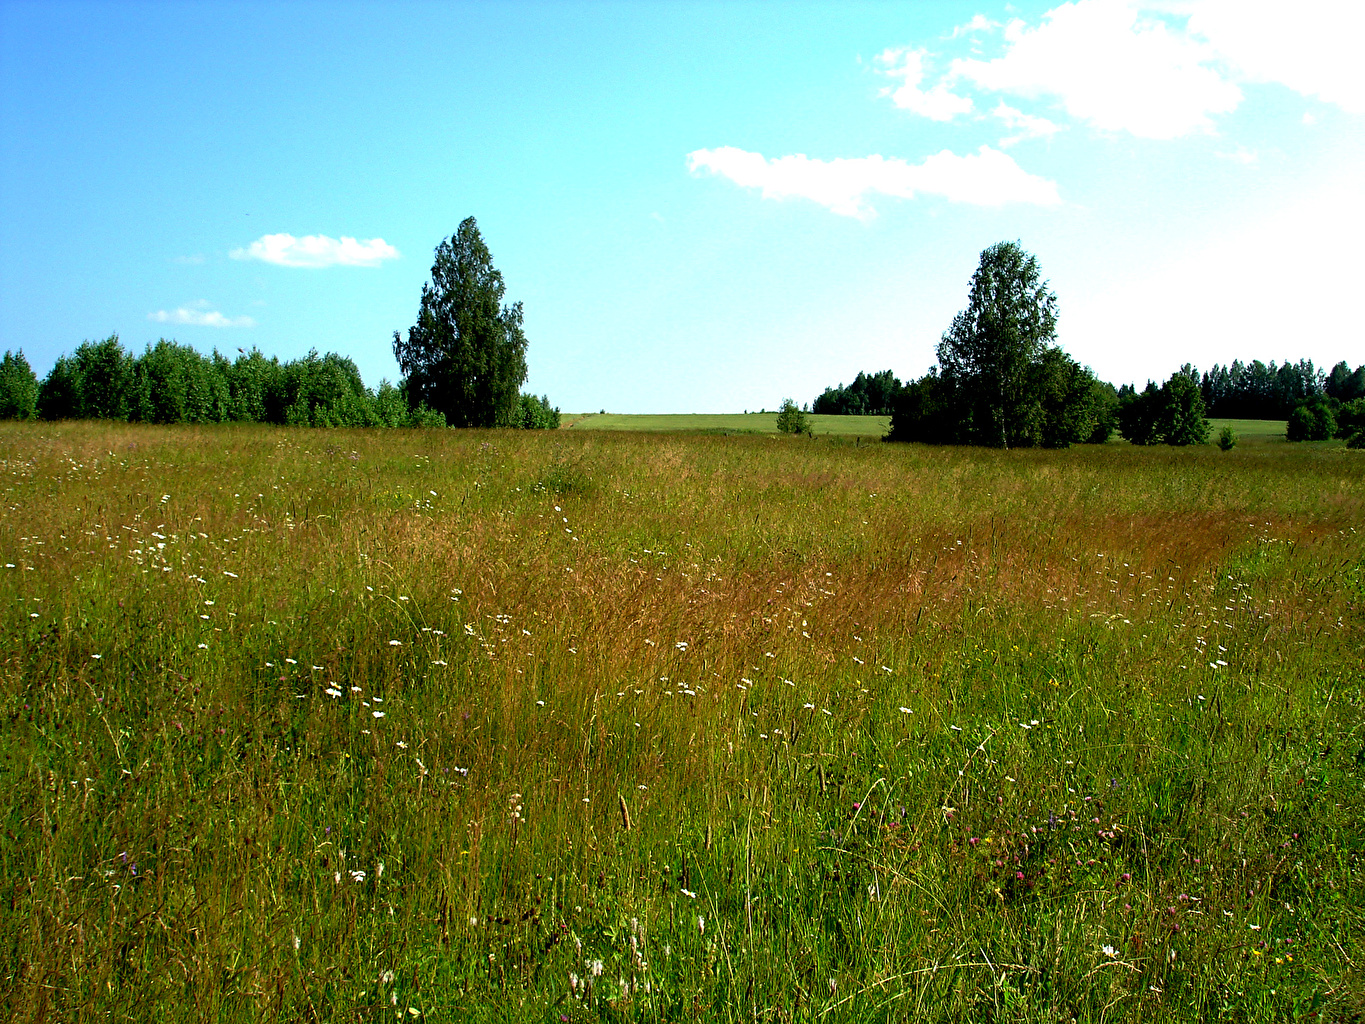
(1029, 126)
(197, 315)
(985, 178)
(1112, 66)
(979, 23)
(938, 103)
(1271, 290)
(317, 251)
(1310, 46)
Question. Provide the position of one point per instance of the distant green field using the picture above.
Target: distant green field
(1248, 431)
(726, 423)
(1251, 431)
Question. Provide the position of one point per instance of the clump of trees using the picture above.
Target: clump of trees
(870, 394)
(1001, 380)
(1171, 414)
(464, 361)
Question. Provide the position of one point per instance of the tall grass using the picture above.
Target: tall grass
(495, 726)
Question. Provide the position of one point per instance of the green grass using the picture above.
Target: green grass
(727, 423)
(1250, 431)
(676, 726)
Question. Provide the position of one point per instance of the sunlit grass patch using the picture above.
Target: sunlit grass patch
(483, 725)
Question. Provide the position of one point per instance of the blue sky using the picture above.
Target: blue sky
(703, 207)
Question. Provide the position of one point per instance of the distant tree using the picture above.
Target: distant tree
(537, 413)
(466, 355)
(870, 394)
(791, 419)
(1171, 414)
(1312, 421)
(1344, 385)
(173, 383)
(18, 388)
(991, 348)
(1227, 439)
(1138, 412)
(1181, 419)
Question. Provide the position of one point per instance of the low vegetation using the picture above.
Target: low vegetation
(504, 726)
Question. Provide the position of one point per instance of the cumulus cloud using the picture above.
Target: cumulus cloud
(843, 186)
(196, 315)
(317, 251)
(938, 103)
(1112, 66)
(1311, 46)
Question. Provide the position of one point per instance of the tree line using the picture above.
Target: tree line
(1002, 381)
(464, 362)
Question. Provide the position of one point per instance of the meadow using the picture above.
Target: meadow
(338, 725)
(872, 427)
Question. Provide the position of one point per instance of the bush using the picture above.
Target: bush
(791, 420)
(1312, 421)
(1227, 440)
(537, 414)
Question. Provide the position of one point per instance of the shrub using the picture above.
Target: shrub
(1227, 440)
(791, 420)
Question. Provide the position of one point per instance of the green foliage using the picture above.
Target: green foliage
(466, 355)
(991, 351)
(1312, 421)
(1344, 385)
(1000, 381)
(1227, 439)
(173, 383)
(537, 413)
(791, 419)
(870, 394)
(1172, 414)
(18, 388)
(1257, 390)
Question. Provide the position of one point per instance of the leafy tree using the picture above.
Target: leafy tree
(870, 394)
(466, 355)
(1137, 414)
(1227, 439)
(991, 348)
(1171, 414)
(928, 411)
(18, 388)
(537, 414)
(173, 383)
(792, 420)
(1312, 421)
(1343, 385)
(1000, 381)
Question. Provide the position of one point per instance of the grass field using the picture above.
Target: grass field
(1248, 431)
(727, 423)
(519, 726)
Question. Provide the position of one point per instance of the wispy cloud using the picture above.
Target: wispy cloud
(192, 261)
(985, 178)
(197, 314)
(1027, 126)
(938, 103)
(317, 251)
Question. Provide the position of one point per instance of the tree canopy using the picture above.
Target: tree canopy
(1000, 379)
(466, 355)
